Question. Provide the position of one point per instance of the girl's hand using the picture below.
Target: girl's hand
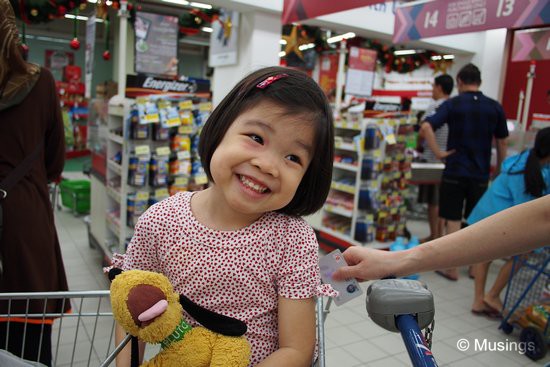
(367, 264)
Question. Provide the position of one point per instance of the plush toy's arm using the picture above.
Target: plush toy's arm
(220, 324)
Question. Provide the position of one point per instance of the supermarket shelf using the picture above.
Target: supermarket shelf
(345, 166)
(337, 210)
(116, 138)
(114, 194)
(116, 110)
(112, 225)
(350, 189)
(345, 146)
(117, 168)
(347, 238)
(348, 125)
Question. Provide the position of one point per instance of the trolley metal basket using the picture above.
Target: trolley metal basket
(526, 296)
(85, 335)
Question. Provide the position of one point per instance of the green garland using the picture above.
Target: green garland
(43, 11)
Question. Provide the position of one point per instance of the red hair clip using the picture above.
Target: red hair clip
(267, 82)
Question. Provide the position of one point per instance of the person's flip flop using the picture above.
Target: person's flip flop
(445, 275)
(488, 313)
(492, 310)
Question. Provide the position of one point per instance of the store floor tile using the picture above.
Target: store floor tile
(352, 339)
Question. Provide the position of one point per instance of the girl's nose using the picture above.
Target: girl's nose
(267, 164)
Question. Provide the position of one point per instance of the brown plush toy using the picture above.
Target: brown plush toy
(145, 305)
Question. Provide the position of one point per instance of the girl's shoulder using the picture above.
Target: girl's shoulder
(169, 207)
(288, 224)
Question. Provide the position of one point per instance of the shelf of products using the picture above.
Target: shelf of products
(366, 204)
(151, 154)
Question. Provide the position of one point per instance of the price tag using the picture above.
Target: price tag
(142, 195)
(181, 181)
(163, 103)
(186, 105)
(408, 175)
(377, 153)
(185, 130)
(163, 151)
(393, 211)
(201, 180)
(184, 154)
(142, 150)
(174, 121)
(159, 193)
(390, 139)
(142, 100)
(151, 118)
(206, 106)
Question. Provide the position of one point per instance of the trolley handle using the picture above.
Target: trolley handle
(404, 306)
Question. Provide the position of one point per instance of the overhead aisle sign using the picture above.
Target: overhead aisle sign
(439, 18)
(531, 44)
(296, 10)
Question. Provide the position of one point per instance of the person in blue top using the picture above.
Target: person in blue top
(474, 121)
(523, 177)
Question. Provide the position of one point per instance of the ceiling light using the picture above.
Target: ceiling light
(81, 17)
(178, 2)
(305, 47)
(201, 5)
(404, 52)
(92, 1)
(448, 57)
(282, 54)
(341, 37)
(282, 42)
(206, 29)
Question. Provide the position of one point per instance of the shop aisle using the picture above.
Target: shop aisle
(351, 338)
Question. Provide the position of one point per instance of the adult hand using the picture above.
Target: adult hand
(442, 155)
(366, 264)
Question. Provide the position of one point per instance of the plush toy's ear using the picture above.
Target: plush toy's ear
(113, 273)
(220, 324)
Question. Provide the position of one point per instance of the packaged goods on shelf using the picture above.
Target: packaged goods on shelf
(153, 156)
(372, 167)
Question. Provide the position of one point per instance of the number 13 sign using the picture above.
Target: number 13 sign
(438, 18)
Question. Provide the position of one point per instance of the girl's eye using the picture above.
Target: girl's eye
(258, 139)
(294, 158)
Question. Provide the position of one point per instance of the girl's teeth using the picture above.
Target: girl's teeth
(252, 185)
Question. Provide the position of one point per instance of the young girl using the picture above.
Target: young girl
(239, 247)
(523, 177)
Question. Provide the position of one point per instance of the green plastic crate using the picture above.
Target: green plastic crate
(75, 194)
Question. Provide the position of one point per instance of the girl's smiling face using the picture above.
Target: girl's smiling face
(261, 160)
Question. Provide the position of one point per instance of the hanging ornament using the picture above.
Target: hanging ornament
(24, 46)
(75, 43)
(34, 12)
(294, 41)
(107, 54)
(82, 7)
(61, 11)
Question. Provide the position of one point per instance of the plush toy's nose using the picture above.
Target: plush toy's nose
(143, 300)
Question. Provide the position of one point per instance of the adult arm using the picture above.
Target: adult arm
(501, 153)
(54, 141)
(500, 235)
(296, 334)
(427, 133)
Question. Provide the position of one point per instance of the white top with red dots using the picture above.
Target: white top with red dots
(235, 273)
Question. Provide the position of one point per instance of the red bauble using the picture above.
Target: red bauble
(107, 55)
(61, 10)
(25, 50)
(75, 44)
(130, 6)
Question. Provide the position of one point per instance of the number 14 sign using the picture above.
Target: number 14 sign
(444, 17)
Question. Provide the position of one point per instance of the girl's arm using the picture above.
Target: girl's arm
(296, 334)
(513, 231)
(123, 358)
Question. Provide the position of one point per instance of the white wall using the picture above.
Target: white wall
(259, 35)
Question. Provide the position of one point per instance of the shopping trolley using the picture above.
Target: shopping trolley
(405, 306)
(527, 303)
(85, 335)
